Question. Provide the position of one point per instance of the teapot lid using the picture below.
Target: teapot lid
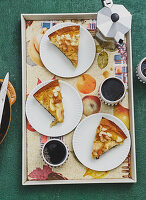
(114, 20)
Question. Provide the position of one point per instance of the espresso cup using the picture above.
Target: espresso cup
(55, 152)
(141, 70)
(112, 91)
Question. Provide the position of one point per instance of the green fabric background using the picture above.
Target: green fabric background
(10, 60)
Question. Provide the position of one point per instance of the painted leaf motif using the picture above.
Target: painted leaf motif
(109, 46)
(95, 174)
(102, 59)
(41, 174)
(98, 48)
(56, 176)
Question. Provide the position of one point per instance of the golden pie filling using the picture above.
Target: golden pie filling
(108, 135)
(50, 98)
(67, 40)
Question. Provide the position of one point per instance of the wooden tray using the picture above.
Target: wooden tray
(75, 16)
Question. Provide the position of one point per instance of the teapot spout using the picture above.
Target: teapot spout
(119, 37)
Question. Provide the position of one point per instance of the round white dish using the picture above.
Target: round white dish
(40, 119)
(83, 142)
(57, 63)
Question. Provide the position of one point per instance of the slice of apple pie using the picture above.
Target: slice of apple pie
(67, 41)
(108, 135)
(49, 96)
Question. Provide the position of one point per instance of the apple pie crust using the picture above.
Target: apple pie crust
(108, 135)
(67, 40)
(49, 96)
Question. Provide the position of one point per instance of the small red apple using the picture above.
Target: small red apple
(29, 127)
(91, 105)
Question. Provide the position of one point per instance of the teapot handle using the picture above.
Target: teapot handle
(107, 3)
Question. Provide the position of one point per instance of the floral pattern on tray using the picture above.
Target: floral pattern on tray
(107, 63)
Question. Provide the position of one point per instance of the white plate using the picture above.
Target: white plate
(57, 63)
(83, 142)
(40, 119)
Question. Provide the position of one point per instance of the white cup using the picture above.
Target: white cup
(106, 101)
(47, 160)
(139, 73)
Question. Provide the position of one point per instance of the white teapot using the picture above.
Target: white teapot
(113, 22)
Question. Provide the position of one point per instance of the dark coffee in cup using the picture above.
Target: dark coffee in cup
(143, 67)
(112, 91)
(55, 152)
